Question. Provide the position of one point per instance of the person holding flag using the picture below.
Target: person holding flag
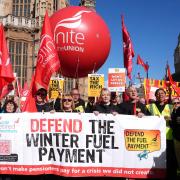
(47, 64)
(6, 71)
(41, 104)
(133, 106)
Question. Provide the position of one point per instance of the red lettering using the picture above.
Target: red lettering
(43, 127)
(67, 125)
(58, 123)
(77, 126)
(50, 124)
(34, 125)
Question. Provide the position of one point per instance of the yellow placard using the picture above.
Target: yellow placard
(55, 86)
(142, 140)
(95, 84)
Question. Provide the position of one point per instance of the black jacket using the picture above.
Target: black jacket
(80, 105)
(128, 108)
(47, 107)
(175, 123)
(101, 108)
(57, 105)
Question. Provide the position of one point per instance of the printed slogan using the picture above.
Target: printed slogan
(78, 145)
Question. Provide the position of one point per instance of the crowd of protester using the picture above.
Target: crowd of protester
(111, 102)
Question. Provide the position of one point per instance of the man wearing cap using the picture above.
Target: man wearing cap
(41, 104)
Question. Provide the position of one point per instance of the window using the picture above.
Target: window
(19, 57)
(49, 6)
(21, 8)
(55, 5)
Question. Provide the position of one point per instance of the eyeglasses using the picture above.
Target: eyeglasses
(75, 94)
(176, 103)
(65, 100)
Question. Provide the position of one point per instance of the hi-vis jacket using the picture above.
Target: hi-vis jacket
(166, 112)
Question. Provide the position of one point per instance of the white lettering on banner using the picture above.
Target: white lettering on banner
(83, 145)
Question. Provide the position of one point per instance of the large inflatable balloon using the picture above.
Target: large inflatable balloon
(82, 39)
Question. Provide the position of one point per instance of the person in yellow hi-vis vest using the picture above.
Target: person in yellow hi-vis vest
(161, 108)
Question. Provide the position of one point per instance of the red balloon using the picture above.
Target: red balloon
(82, 39)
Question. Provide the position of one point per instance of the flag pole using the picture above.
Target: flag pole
(147, 73)
(76, 74)
(17, 84)
(19, 98)
(167, 79)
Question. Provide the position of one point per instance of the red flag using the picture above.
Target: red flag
(29, 105)
(6, 72)
(173, 84)
(6, 90)
(141, 62)
(128, 50)
(125, 96)
(47, 60)
(24, 92)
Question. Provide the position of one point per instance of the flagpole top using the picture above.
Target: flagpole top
(178, 40)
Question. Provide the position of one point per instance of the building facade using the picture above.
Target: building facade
(22, 20)
(176, 75)
(19, 27)
(88, 3)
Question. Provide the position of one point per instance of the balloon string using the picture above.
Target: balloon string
(93, 71)
(76, 73)
(60, 68)
(77, 68)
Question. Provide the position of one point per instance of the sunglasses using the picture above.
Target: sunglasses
(65, 100)
(41, 94)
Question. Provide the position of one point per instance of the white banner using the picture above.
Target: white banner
(73, 144)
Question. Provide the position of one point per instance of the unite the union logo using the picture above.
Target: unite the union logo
(46, 50)
(70, 40)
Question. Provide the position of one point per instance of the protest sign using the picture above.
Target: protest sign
(56, 84)
(73, 144)
(95, 84)
(116, 79)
